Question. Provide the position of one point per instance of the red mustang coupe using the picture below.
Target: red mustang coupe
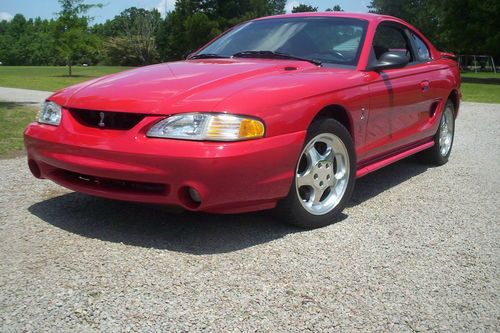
(280, 112)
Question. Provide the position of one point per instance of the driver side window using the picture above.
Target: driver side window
(388, 38)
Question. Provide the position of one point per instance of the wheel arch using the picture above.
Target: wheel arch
(454, 97)
(338, 113)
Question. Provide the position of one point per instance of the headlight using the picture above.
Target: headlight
(50, 113)
(208, 126)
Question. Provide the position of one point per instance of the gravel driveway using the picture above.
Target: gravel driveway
(418, 250)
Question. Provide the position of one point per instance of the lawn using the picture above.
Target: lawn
(13, 119)
(481, 87)
(483, 93)
(50, 78)
(481, 75)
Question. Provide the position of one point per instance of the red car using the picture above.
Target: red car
(282, 112)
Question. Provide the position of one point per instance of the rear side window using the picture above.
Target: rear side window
(422, 49)
(388, 38)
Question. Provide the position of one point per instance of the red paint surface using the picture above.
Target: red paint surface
(240, 176)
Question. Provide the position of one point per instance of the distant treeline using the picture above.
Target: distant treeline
(138, 36)
(134, 37)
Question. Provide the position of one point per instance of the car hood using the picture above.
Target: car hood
(171, 87)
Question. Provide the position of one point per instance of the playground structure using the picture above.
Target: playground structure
(477, 63)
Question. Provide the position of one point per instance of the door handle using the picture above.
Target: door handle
(425, 86)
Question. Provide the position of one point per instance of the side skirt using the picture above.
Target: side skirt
(391, 159)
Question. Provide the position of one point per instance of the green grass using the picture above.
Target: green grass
(481, 87)
(481, 75)
(483, 93)
(50, 78)
(13, 119)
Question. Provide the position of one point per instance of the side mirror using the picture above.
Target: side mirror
(390, 60)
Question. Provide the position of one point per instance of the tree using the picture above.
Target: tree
(277, 6)
(304, 8)
(335, 8)
(140, 28)
(71, 31)
(195, 22)
(460, 26)
(470, 27)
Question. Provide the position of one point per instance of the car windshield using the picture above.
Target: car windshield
(331, 40)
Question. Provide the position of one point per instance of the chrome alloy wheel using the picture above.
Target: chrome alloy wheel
(446, 128)
(322, 174)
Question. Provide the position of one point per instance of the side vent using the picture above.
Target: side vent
(433, 109)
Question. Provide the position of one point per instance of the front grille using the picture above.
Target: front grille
(106, 119)
(112, 185)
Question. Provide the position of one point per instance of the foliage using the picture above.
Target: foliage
(195, 22)
(71, 34)
(27, 42)
(304, 8)
(335, 8)
(141, 33)
(139, 36)
(460, 26)
(132, 37)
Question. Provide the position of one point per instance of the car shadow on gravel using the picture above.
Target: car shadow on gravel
(195, 233)
(386, 178)
(157, 227)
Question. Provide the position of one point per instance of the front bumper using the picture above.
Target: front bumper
(126, 165)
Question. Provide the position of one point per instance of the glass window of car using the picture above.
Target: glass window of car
(391, 39)
(327, 39)
(422, 49)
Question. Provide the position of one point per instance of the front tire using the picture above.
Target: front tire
(324, 177)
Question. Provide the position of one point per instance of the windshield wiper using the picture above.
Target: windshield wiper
(272, 55)
(207, 56)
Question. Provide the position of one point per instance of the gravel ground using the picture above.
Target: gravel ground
(418, 250)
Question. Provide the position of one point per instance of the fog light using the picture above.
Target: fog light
(194, 195)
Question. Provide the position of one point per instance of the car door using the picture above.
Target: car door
(399, 98)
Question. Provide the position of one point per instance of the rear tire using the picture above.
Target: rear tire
(443, 139)
(324, 177)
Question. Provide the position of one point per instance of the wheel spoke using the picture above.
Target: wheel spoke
(313, 156)
(316, 196)
(328, 155)
(305, 179)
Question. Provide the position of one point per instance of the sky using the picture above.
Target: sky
(48, 8)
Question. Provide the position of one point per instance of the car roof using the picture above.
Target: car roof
(362, 16)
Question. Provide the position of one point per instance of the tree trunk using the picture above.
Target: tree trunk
(69, 68)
